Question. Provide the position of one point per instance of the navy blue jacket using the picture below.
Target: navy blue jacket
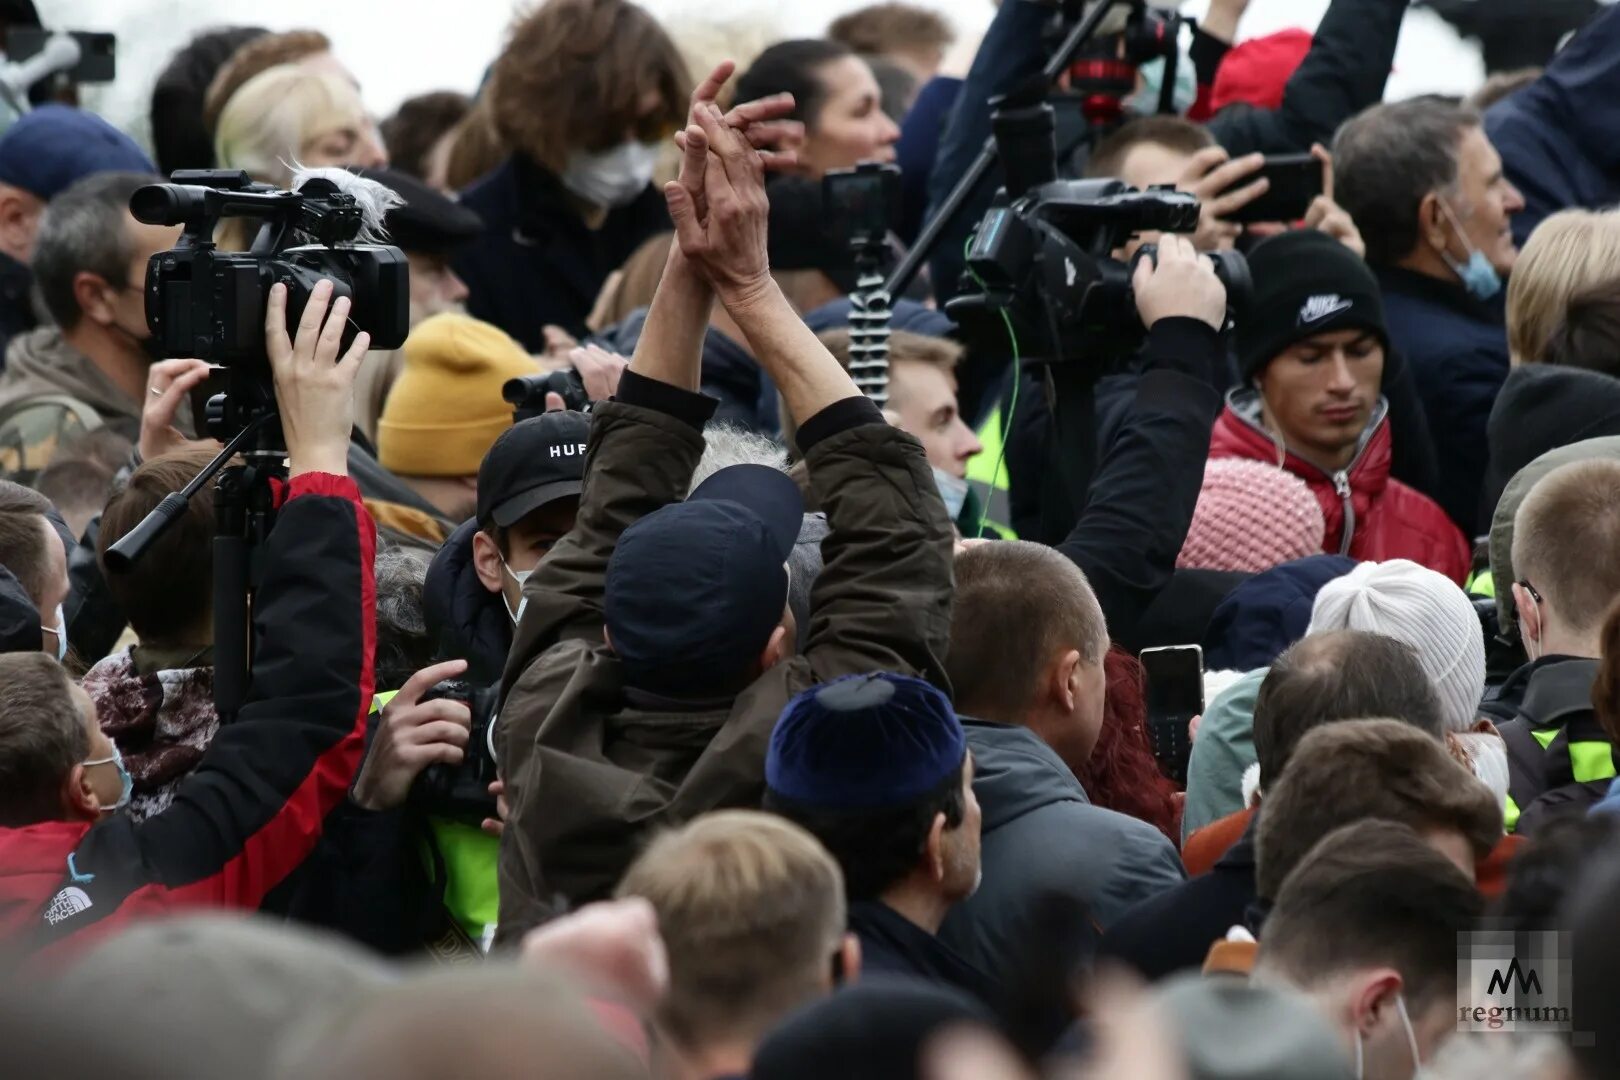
(535, 262)
(1456, 347)
(747, 396)
(1559, 137)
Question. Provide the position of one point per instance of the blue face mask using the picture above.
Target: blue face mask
(953, 490)
(1145, 101)
(1477, 275)
(117, 760)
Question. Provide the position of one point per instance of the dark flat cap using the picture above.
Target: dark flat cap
(430, 222)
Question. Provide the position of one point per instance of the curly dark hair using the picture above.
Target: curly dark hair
(574, 77)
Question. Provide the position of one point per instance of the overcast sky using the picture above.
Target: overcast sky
(403, 47)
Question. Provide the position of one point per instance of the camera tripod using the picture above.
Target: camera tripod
(244, 512)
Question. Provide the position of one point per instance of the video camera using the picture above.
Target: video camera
(1042, 258)
(527, 393)
(210, 304)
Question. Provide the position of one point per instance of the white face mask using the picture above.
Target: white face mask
(953, 490)
(128, 784)
(520, 578)
(60, 630)
(613, 177)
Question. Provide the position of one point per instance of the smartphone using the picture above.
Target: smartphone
(1175, 694)
(1296, 180)
(97, 52)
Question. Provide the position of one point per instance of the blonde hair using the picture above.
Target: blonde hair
(266, 124)
(904, 345)
(751, 909)
(1570, 252)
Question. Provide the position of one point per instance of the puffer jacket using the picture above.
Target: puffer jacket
(1370, 516)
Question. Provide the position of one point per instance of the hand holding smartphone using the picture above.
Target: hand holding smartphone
(1175, 694)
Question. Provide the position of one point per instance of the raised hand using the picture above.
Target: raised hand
(1182, 284)
(727, 244)
(314, 388)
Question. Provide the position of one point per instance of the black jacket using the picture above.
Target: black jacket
(1344, 73)
(468, 621)
(1541, 408)
(1560, 760)
(1173, 931)
(254, 808)
(535, 262)
(1140, 501)
(1456, 347)
(891, 944)
(1042, 837)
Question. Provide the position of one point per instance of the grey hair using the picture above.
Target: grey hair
(83, 230)
(726, 445)
(373, 199)
(404, 646)
(1387, 159)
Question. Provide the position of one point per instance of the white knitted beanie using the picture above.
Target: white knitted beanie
(1428, 612)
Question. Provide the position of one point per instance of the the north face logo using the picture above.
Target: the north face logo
(66, 904)
(1318, 308)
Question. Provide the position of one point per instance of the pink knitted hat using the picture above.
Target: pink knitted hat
(1251, 516)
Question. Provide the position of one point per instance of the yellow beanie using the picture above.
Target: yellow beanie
(445, 410)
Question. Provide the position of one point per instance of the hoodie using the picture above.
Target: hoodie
(1541, 408)
(467, 620)
(1040, 835)
(42, 362)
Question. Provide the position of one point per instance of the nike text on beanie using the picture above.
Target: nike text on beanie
(1305, 283)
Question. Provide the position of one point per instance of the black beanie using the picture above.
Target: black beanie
(1305, 283)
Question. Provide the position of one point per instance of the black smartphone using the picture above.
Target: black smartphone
(1175, 694)
(1296, 180)
(97, 52)
(862, 203)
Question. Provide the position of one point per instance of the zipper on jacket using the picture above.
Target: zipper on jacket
(1341, 484)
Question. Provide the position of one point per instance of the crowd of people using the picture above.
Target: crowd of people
(635, 691)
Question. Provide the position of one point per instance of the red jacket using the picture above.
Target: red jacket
(1369, 516)
(253, 809)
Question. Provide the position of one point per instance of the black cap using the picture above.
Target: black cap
(533, 463)
(695, 588)
(430, 222)
(1305, 283)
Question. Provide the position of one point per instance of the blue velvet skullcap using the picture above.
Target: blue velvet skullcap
(864, 742)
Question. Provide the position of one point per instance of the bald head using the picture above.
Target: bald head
(1018, 606)
(1338, 675)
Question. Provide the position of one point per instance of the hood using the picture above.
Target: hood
(19, 621)
(161, 722)
(42, 362)
(730, 373)
(464, 617)
(1268, 613)
(1542, 407)
(1015, 773)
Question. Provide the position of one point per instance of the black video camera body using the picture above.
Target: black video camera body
(462, 791)
(206, 303)
(1046, 261)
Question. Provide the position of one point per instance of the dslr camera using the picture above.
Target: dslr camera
(208, 303)
(1042, 259)
(462, 791)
